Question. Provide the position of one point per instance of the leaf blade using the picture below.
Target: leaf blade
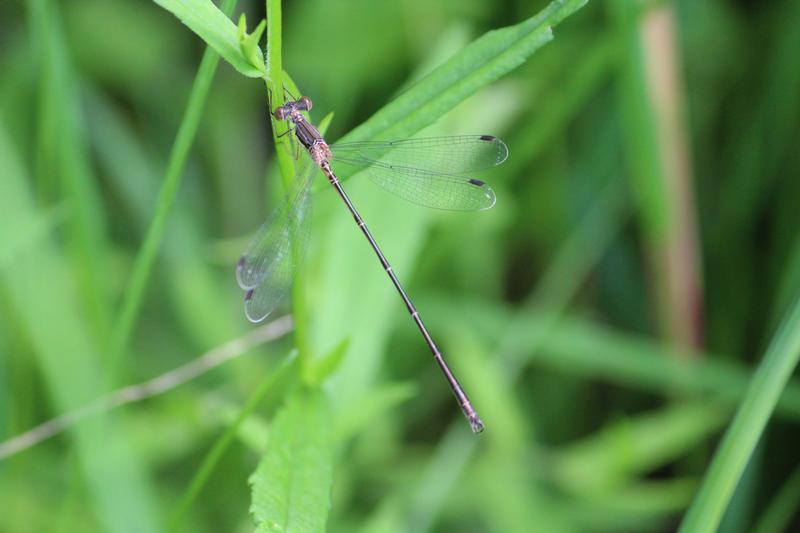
(217, 30)
(291, 486)
(483, 61)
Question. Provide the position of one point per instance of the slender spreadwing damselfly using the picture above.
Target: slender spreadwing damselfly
(430, 171)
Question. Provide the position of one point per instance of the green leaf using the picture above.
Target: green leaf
(39, 287)
(63, 162)
(617, 453)
(486, 59)
(146, 256)
(218, 31)
(747, 427)
(378, 401)
(291, 487)
(638, 506)
(30, 232)
(783, 506)
(315, 372)
(281, 374)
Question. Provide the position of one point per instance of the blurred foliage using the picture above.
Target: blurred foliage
(607, 316)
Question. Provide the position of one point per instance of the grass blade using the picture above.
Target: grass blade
(615, 455)
(486, 59)
(650, 97)
(215, 454)
(778, 514)
(745, 431)
(134, 292)
(67, 157)
(69, 361)
(217, 30)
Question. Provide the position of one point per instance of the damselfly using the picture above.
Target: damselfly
(430, 172)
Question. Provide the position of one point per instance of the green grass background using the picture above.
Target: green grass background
(629, 346)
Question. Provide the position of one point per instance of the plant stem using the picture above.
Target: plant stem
(286, 162)
(656, 149)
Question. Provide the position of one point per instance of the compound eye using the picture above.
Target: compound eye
(305, 102)
(280, 113)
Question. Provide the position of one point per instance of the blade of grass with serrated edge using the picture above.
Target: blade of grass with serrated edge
(748, 425)
(216, 29)
(483, 61)
(292, 484)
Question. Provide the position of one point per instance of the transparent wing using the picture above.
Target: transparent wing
(267, 268)
(438, 155)
(439, 191)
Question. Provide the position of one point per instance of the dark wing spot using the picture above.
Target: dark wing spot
(248, 295)
(488, 137)
(478, 183)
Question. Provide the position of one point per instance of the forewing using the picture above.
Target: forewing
(460, 154)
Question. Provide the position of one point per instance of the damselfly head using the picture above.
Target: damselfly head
(304, 103)
(289, 108)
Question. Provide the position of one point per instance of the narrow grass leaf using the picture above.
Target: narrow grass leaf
(197, 297)
(347, 266)
(439, 477)
(218, 31)
(315, 372)
(563, 103)
(653, 149)
(31, 231)
(578, 347)
(291, 487)
(747, 427)
(486, 59)
(49, 317)
(641, 506)
(71, 164)
(782, 507)
(214, 455)
(581, 348)
(145, 258)
(378, 401)
(622, 450)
